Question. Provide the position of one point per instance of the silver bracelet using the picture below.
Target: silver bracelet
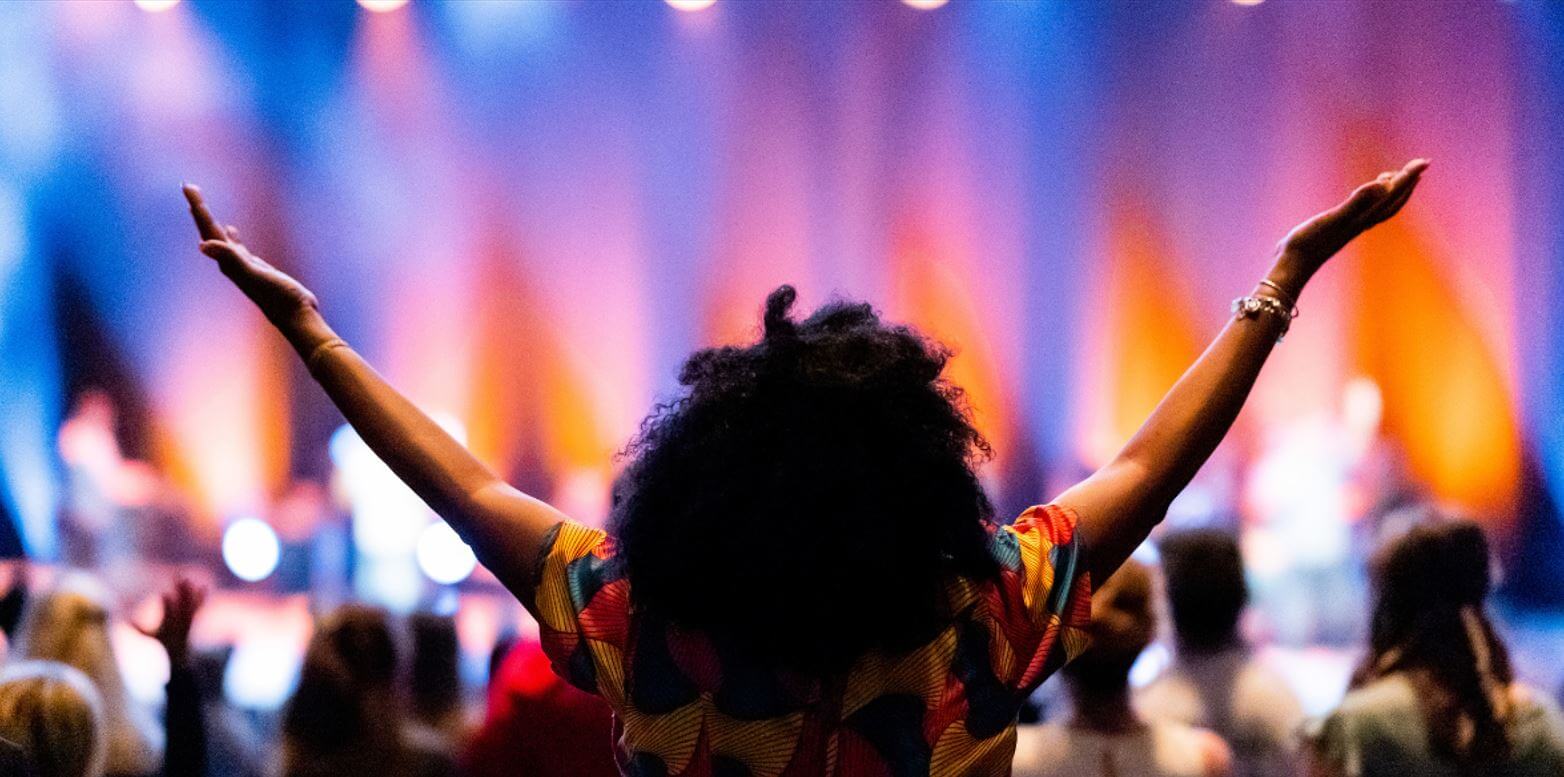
(1253, 306)
(1288, 299)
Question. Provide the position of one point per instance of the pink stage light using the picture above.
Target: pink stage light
(925, 5)
(156, 6)
(691, 5)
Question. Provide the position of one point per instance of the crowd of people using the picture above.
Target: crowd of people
(802, 575)
(1434, 694)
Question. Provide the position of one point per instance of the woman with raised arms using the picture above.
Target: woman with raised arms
(802, 575)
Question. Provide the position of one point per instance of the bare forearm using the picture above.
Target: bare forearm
(504, 526)
(1198, 411)
(422, 454)
(500, 523)
(1121, 503)
(1179, 436)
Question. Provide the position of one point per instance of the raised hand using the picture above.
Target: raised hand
(278, 295)
(181, 602)
(1310, 244)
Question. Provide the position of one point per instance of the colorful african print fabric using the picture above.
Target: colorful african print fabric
(686, 707)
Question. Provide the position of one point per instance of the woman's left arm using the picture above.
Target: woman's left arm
(1119, 504)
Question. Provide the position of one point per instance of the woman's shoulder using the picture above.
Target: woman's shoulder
(1538, 724)
(1390, 694)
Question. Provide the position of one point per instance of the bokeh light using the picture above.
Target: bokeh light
(691, 5)
(442, 555)
(156, 6)
(925, 5)
(381, 6)
(250, 549)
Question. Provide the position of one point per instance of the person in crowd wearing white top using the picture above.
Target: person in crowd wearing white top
(1435, 695)
(1215, 681)
(1103, 735)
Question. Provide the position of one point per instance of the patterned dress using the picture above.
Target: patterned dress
(684, 706)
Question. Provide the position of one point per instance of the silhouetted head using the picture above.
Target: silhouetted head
(807, 494)
(1123, 624)
(1204, 574)
(1429, 624)
(346, 700)
(434, 679)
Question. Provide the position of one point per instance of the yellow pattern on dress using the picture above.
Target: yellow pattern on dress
(763, 746)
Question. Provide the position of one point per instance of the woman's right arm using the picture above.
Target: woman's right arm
(505, 527)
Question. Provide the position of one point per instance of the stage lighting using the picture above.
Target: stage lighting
(156, 6)
(691, 5)
(381, 6)
(1247, 2)
(262, 671)
(250, 549)
(443, 556)
(925, 5)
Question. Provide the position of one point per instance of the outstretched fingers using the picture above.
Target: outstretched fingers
(1400, 187)
(205, 222)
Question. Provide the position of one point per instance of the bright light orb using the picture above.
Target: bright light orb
(1247, 2)
(925, 5)
(250, 549)
(443, 556)
(156, 6)
(691, 5)
(381, 6)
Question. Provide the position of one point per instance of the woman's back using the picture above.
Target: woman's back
(688, 703)
(1380, 729)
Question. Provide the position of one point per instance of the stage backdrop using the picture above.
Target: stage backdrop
(528, 213)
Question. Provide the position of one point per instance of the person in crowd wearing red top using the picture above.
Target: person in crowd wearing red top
(803, 575)
(539, 725)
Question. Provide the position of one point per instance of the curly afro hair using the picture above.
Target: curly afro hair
(808, 496)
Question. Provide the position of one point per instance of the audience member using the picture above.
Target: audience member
(51, 720)
(70, 624)
(435, 682)
(346, 718)
(1215, 681)
(1102, 733)
(539, 725)
(1435, 695)
(184, 726)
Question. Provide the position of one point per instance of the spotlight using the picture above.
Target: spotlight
(691, 5)
(381, 6)
(250, 549)
(1247, 2)
(156, 6)
(925, 5)
(443, 556)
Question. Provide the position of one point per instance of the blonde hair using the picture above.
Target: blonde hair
(53, 713)
(70, 624)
